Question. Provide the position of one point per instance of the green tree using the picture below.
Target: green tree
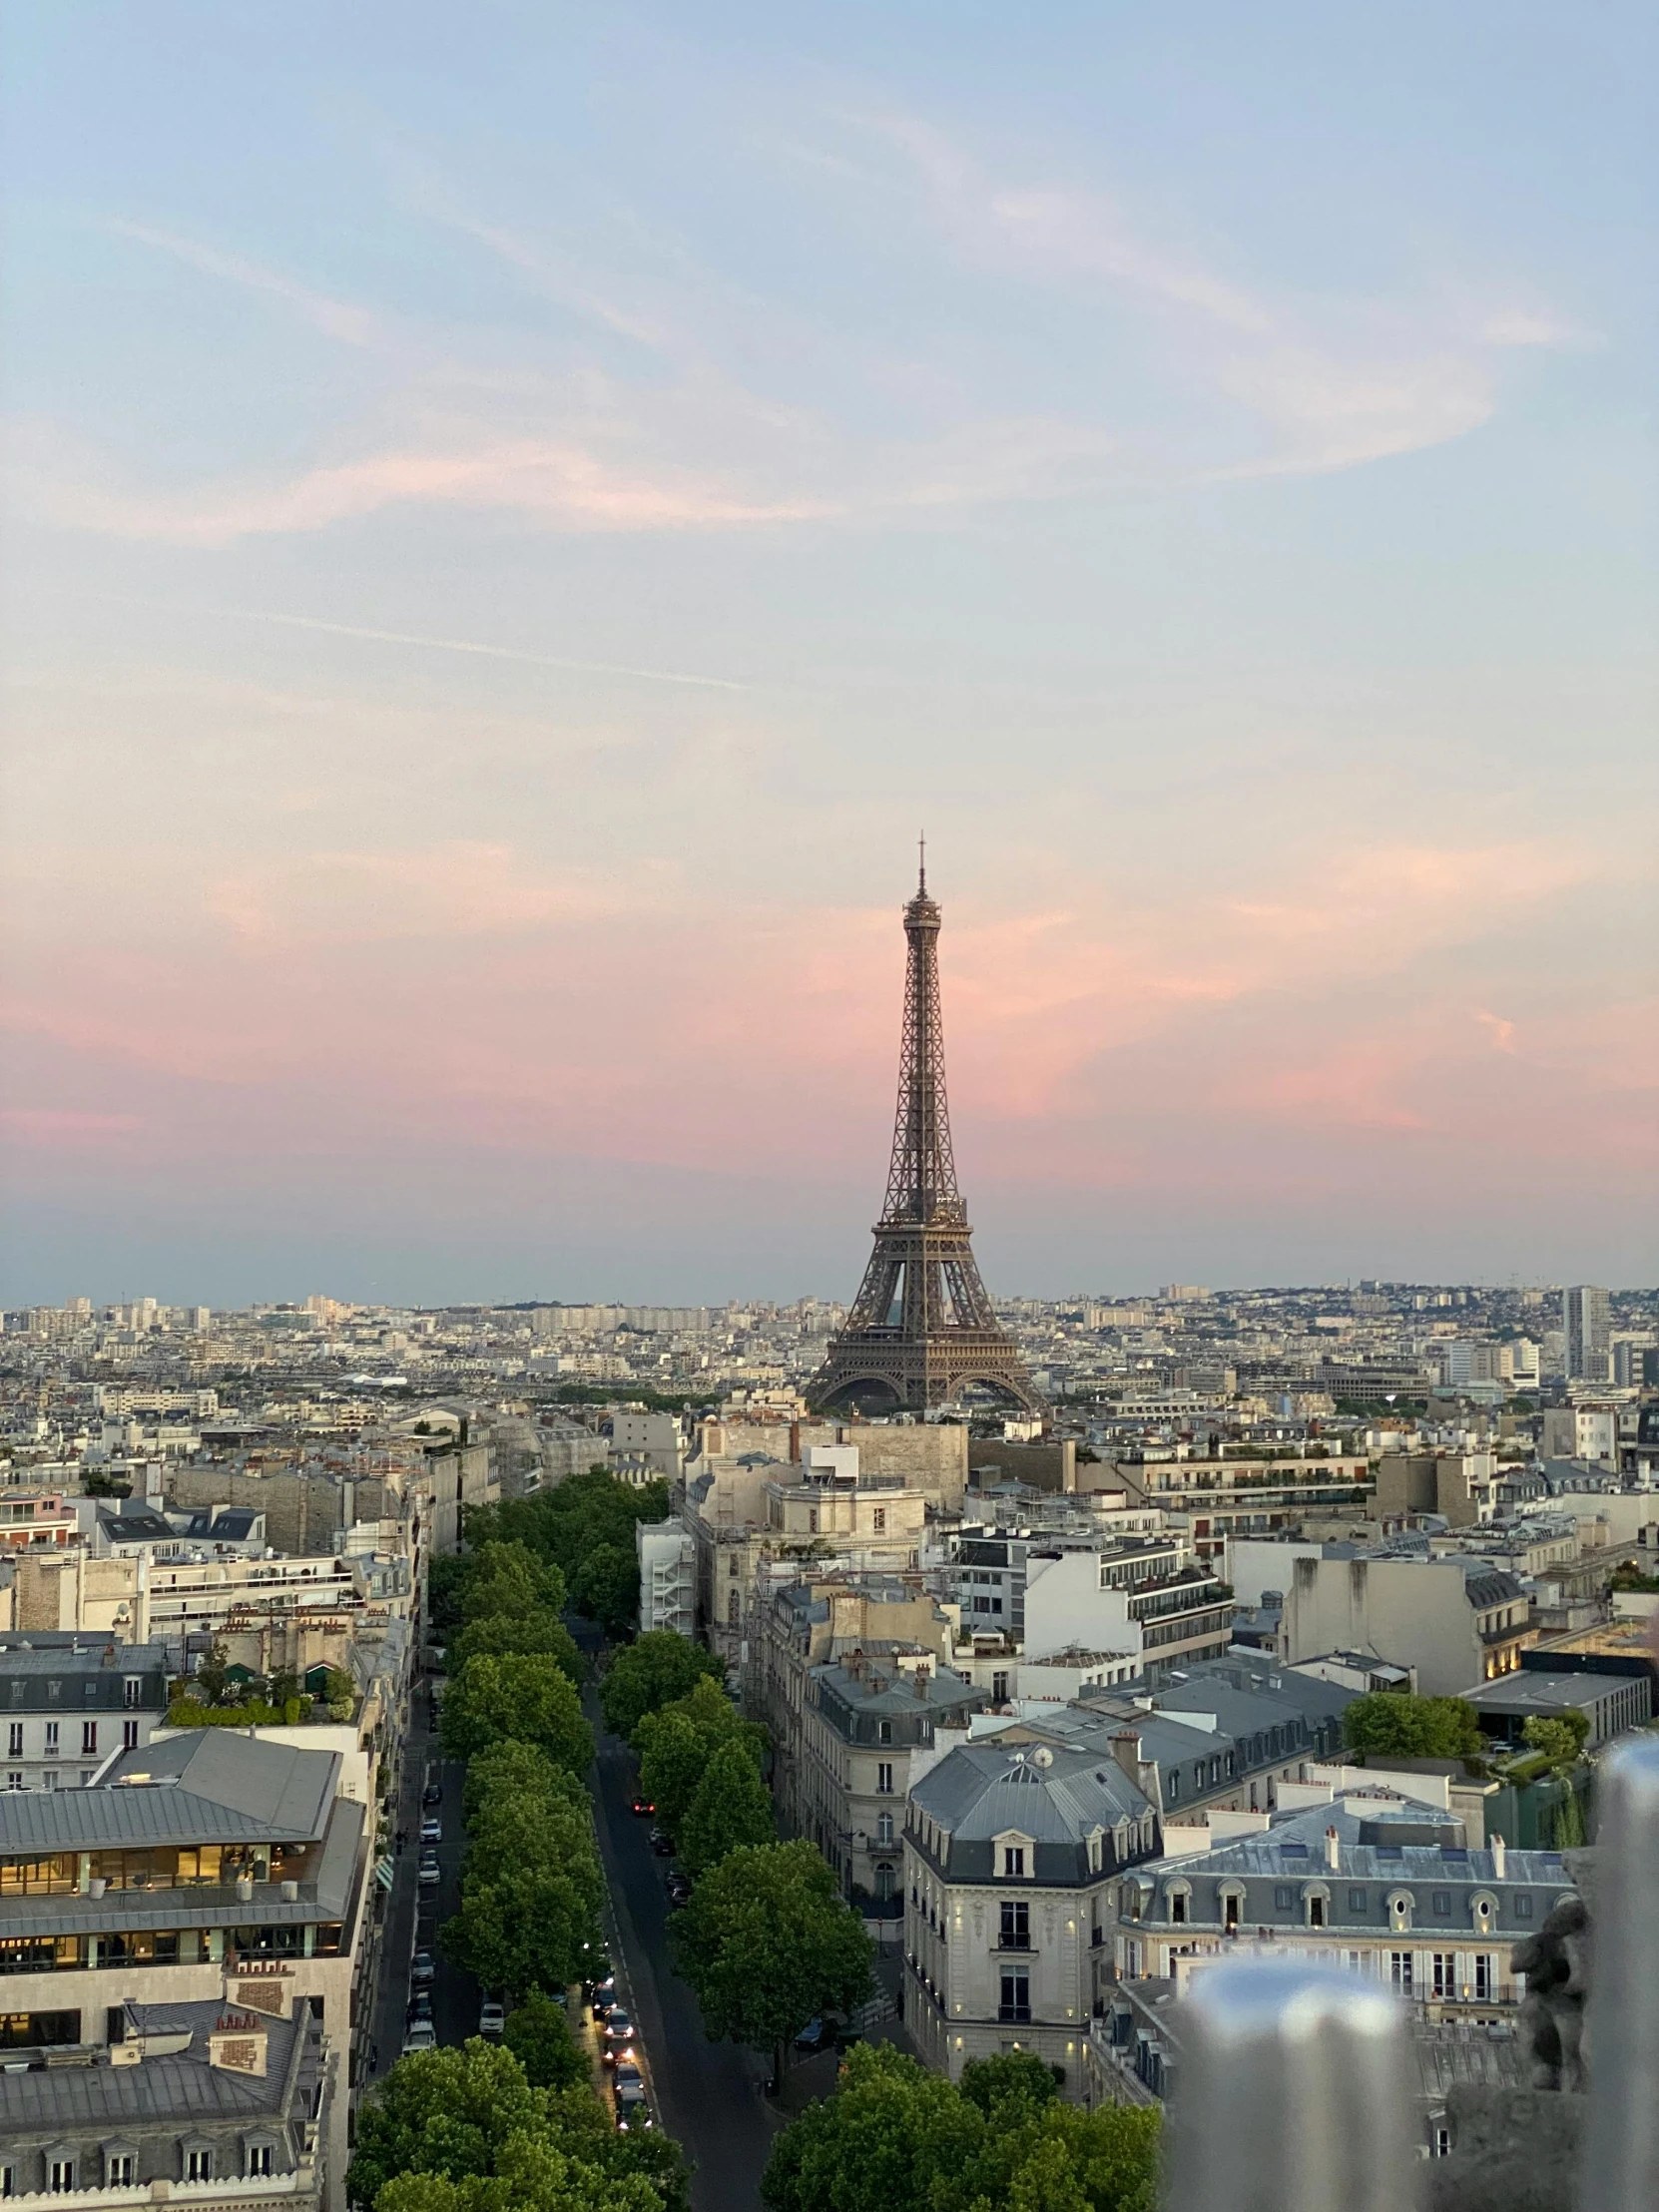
(651, 1673)
(676, 1744)
(534, 2173)
(767, 1943)
(731, 1808)
(606, 1588)
(510, 1768)
(895, 2134)
(1559, 1737)
(509, 1578)
(439, 2111)
(529, 1699)
(538, 2035)
(892, 2136)
(447, 1573)
(523, 1928)
(1387, 1724)
(524, 1635)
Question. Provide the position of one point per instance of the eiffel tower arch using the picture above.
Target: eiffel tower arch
(921, 1329)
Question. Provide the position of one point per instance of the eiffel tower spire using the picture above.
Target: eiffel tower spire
(923, 1328)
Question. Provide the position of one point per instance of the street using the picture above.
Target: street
(708, 2096)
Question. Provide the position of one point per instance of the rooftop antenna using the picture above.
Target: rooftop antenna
(921, 846)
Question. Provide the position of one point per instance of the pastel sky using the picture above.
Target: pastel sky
(519, 513)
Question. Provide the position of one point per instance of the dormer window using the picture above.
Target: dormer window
(1013, 1861)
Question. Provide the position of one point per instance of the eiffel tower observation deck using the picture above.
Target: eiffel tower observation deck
(922, 1330)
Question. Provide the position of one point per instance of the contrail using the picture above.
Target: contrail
(468, 645)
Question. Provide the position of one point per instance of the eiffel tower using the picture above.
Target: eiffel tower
(921, 1329)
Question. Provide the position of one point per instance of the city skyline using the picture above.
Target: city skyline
(513, 531)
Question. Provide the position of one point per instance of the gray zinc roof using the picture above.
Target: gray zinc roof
(983, 1790)
(207, 1784)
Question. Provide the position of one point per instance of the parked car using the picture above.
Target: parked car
(628, 2079)
(433, 1794)
(619, 2035)
(492, 2017)
(643, 1805)
(818, 2035)
(420, 2006)
(422, 1967)
(431, 1830)
(679, 1891)
(662, 1843)
(422, 2037)
(428, 1873)
(633, 2113)
(602, 1995)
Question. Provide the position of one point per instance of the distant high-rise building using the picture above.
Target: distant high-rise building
(1586, 1321)
(921, 1329)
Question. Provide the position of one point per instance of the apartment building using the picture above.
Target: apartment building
(68, 1701)
(1453, 1621)
(1226, 1496)
(873, 1724)
(208, 2105)
(1373, 1883)
(1140, 1599)
(206, 1868)
(1013, 1857)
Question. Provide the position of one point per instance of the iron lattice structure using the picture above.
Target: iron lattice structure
(921, 1329)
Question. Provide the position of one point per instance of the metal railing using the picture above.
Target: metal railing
(1293, 2093)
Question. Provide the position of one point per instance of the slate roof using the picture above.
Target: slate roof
(182, 2086)
(980, 1791)
(1487, 1586)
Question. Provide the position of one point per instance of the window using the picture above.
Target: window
(54, 1691)
(1443, 1976)
(1015, 2001)
(8, 2181)
(1523, 1908)
(1016, 1930)
(51, 1740)
(1316, 1912)
(89, 1738)
(1440, 1905)
(883, 1732)
(1400, 1970)
(1357, 1901)
(1178, 1908)
(879, 1520)
(128, 1735)
(1230, 1911)
(883, 1778)
(811, 1521)
(1013, 1861)
(261, 2158)
(733, 1610)
(884, 1829)
(118, 2170)
(199, 2165)
(134, 1689)
(999, 1689)
(1174, 1786)
(60, 2171)
(1486, 1977)
(1283, 1897)
(14, 1782)
(14, 1741)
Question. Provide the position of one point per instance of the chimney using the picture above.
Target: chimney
(1499, 1853)
(1333, 1850)
(1126, 1750)
(920, 1680)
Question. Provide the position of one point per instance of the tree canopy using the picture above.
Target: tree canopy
(527, 1698)
(606, 1588)
(464, 2131)
(1559, 1737)
(896, 2135)
(767, 1943)
(538, 2035)
(731, 1808)
(652, 1672)
(677, 1742)
(1389, 1724)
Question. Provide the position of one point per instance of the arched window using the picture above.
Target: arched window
(1402, 1905)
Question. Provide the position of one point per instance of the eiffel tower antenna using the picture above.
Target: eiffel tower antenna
(922, 1327)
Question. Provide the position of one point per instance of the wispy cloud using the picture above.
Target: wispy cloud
(335, 319)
